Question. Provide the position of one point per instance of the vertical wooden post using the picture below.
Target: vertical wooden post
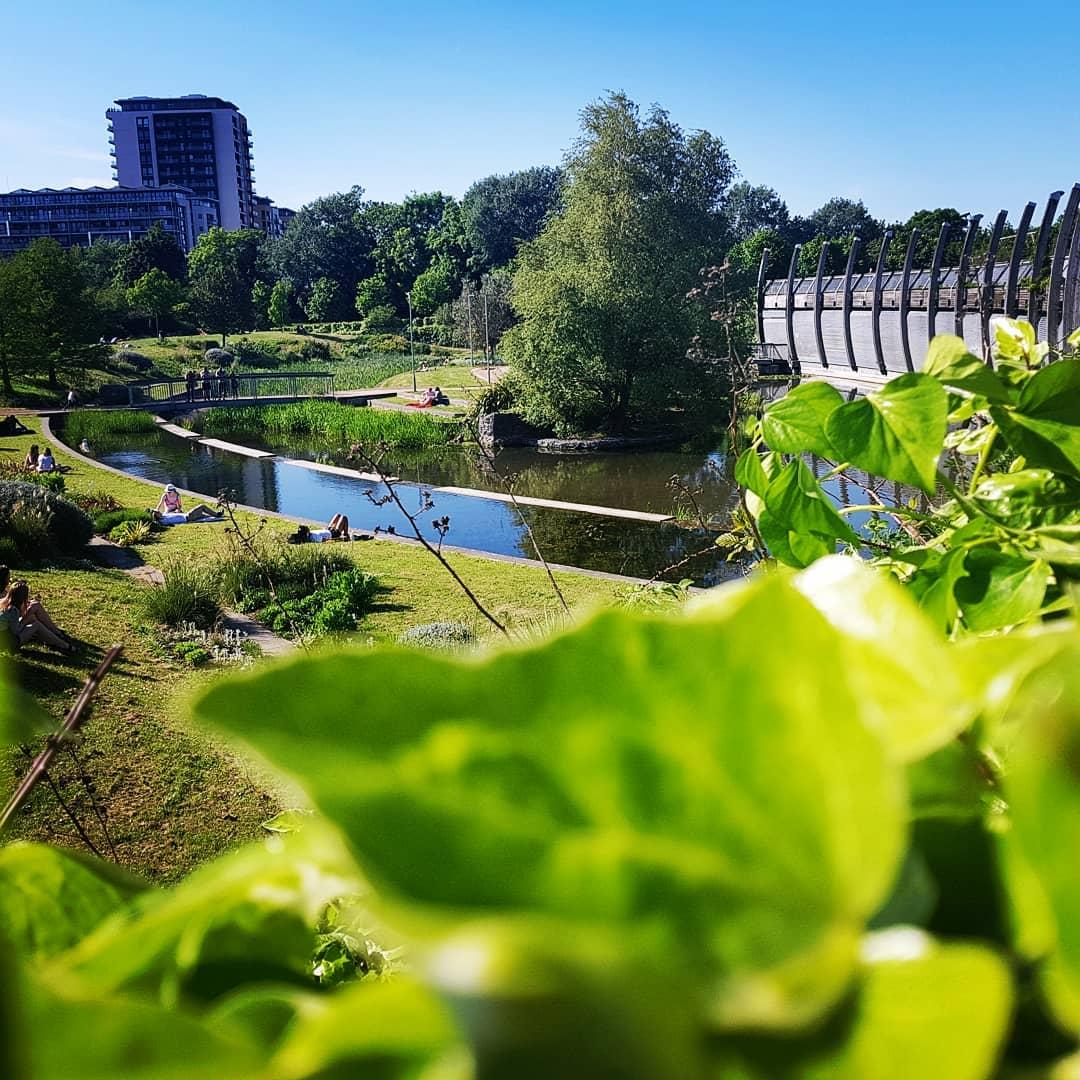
(819, 302)
(853, 254)
(875, 310)
(905, 299)
(1012, 282)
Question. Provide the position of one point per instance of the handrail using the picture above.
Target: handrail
(217, 388)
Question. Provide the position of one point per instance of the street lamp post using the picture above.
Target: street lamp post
(412, 355)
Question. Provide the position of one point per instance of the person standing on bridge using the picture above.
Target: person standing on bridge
(72, 398)
(189, 379)
(204, 376)
(222, 381)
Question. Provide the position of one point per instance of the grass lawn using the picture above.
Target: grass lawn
(173, 797)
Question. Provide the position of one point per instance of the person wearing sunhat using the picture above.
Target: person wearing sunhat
(170, 510)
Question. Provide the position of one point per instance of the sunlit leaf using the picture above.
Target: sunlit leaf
(796, 423)
(1045, 424)
(949, 360)
(1000, 590)
(895, 432)
(890, 655)
(51, 898)
(608, 774)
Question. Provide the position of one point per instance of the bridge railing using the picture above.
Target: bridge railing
(284, 384)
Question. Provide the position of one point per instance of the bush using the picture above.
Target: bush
(381, 318)
(219, 357)
(136, 359)
(94, 502)
(501, 396)
(40, 523)
(128, 533)
(439, 635)
(107, 520)
(192, 653)
(189, 595)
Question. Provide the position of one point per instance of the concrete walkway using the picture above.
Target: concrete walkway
(129, 562)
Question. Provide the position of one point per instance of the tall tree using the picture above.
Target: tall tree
(323, 300)
(502, 212)
(841, 217)
(750, 208)
(280, 306)
(222, 269)
(154, 250)
(326, 238)
(603, 290)
(154, 294)
(48, 318)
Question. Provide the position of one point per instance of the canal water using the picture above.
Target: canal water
(638, 480)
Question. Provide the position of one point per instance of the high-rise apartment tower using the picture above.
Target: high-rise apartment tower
(198, 142)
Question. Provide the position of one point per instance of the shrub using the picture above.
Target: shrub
(189, 594)
(107, 520)
(219, 357)
(41, 523)
(94, 502)
(381, 318)
(136, 359)
(16, 470)
(192, 653)
(439, 635)
(131, 532)
(501, 396)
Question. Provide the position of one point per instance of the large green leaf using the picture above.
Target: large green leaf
(1023, 498)
(796, 423)
(934, 585)
(926, 1010)
(246, 918)
(1000, 590)
(51, 898)
(895, 432)
(1045, 424)
(125, 1039)
(800, 523)
(1043, 785)
(623, 773)
(895, 661)
(380, 1029)
(949, 360)
(22, 719)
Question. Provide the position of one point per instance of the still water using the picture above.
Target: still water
(628, 481)
(639, 480)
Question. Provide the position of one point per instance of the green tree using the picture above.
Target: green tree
(603, 291)
(260, 303)
(841, 217)
(323, 300)
(327, 238)
(154, 294)
(223, 268)
(749, 208)
(156, 249)
(48, 318)
(280, 305)
(433, 287)
(502, 212)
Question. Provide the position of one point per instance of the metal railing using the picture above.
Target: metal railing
(220, 389)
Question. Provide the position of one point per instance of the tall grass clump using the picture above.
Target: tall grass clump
(188, 596)
(104, 425)
(336, 424)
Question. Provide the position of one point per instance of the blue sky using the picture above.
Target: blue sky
(814, 99)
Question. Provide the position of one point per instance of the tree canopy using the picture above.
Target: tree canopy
(502, 212)
(602, 291)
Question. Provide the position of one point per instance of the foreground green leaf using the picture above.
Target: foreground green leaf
(796, 423)
(949, 360)
(609, 775)
(1045, 424)
(50, 898)
(895, 432)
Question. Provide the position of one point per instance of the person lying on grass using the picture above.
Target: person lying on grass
(23, 620)
(170, 510)
(338, 529)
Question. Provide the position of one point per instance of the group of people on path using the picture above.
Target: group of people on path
(207, 385)
(23, 619)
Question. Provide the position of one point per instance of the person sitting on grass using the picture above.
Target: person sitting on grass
(170, 510)
(31, 460)
(426, 400)
(23, 620)
(46, 463)
(440, 397)
(338, 529)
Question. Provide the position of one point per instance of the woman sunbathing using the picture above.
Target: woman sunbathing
(338, 529)
(170, 510)
(23, 620)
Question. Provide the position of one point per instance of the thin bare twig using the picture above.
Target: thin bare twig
(508, 487)
(358, 451)
(40, 765)
(88, 786)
